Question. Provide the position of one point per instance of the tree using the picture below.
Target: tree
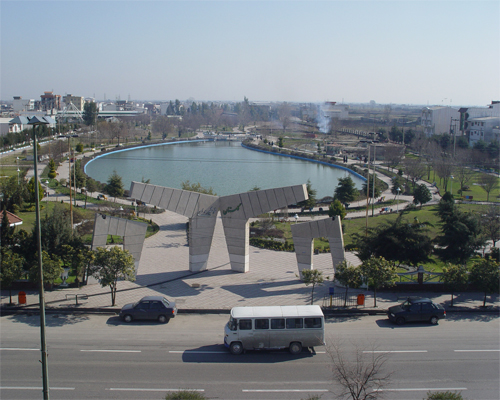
(80, 179)
(185, 395)
(393, 155)
(461, 233)
(488, 182)
(378, 273)
(91, 185)
(51, 268)
(52, 169)
(336, 208)
(79, 147)
(111, 265)
(462, 171)
(349, 276)
(455, 277)
(312, 277)
(11, 269)
(346, 191)
(90, 113)
(163, 125)
(56, 231)
(372, 194)
(115, 186)
(361, 376)
(414, 169)
(311, 201)
(421, 194)
(448, 395)
(398, 241)
(485, 274)
(32, 192)
(196, 187)
(491, 224)
(280, 142)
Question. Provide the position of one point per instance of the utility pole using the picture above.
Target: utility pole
(70, 200)
(367, 192)
(373, 186)
(43, 344)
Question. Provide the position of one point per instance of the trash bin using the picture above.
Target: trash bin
(21, 297)
(361, 299)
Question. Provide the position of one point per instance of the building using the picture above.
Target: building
(466, 114)
(332, 110)
(77, 101)
(19, 104)
(438, 120)
(485, 129)
(50, 101)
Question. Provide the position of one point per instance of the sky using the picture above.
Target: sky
(393, 52)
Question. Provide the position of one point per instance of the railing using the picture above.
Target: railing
(338, 300)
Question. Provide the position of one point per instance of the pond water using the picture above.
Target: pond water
(225, 166)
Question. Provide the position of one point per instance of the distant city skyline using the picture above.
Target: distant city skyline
(392, 52)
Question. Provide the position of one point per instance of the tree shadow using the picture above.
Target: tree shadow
(51, 320)
(268, 289)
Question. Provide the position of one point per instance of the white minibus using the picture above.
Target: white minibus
(274, 327)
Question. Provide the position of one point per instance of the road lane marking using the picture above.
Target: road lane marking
(419, 389)
(197, 352)
(472, 351)
(18, 349)
(282, 390)
(395, 351)
(153, 390)
(33, 388)
(112, 351)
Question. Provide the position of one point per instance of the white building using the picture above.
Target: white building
(19, 104)
(335, 111)
(485, 128)
(77, 101)
(438, 120)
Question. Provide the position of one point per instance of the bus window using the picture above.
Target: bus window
(294, 323)
(245, 324)
(278, 323)
(312, 322)
(261, 324)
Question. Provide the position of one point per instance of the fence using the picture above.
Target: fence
(339, 300)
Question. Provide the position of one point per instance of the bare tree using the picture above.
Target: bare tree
(414, 169)
(285, 114)
(360, 374)
(461, 169)
(393, 155)
(491, 224)
(488, 182)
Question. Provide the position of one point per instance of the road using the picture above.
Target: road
(100, 357)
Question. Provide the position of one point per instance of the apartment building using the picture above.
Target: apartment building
(77, 101)
(438, 120)
(485, 128)
(19, 104)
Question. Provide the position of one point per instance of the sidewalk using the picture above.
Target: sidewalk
(272, 280)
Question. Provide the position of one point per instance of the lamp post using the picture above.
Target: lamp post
(397, 206)
(43, 346)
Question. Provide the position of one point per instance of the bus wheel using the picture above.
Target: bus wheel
(236, 348)
(295, 348)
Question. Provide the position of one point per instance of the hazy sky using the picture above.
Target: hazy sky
(412, 52)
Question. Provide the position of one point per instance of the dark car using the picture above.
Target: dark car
(149, 307)
(416, 309)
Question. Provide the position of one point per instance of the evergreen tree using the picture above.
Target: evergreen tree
(115, 186)
(90, 113)
(346, 191)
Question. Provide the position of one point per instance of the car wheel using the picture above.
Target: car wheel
(295, 348)
(434, 320)
(162, 319)
(236, 348)
(127, 318)
(400, 321)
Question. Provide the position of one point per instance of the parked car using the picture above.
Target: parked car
(149, 307)
(416, 309)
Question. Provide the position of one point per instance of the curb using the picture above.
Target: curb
(328, 312)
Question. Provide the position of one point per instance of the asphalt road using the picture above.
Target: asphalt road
(100, 357)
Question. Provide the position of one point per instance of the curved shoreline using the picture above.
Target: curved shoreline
(140, 147)
(308, 159)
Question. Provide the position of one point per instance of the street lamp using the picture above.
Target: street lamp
(43, 346)
(398, 190)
